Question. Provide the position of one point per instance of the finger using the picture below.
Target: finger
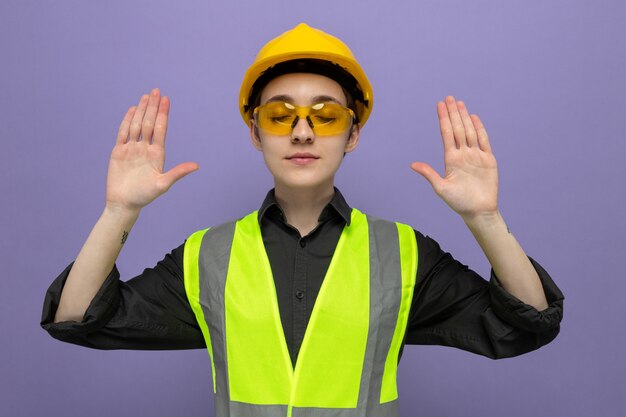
(457, 123)
(427, 172)
(122, 132)
(160, 126)
(483, 139)
(147, 125)
(447, 136)
(135, 123)
(176, 173)
(470, 131)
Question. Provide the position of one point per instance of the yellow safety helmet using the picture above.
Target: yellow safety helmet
(310, 45)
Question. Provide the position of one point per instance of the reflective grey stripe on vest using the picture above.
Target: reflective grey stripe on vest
(212, 268)
(224, 407)
(385, 296)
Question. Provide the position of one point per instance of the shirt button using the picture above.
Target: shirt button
(302, 243)
(299, 295)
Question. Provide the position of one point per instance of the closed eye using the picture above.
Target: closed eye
(324, 120)
(280, 119)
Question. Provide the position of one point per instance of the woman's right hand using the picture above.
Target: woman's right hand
(135, 177)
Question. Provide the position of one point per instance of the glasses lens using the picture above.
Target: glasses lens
(327, 118)
(276, 118)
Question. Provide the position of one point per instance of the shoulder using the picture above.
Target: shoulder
(226, 224)
(424, 242)
(217, 232)
(380, 221)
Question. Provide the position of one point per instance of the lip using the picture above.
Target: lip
(301, 155)
(302, 158)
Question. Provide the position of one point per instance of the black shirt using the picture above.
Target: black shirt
(451, 305)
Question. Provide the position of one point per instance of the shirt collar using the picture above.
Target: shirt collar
(337, 203)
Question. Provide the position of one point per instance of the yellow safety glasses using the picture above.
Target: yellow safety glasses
(326, 119)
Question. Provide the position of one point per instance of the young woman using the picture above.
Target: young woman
(306, 304)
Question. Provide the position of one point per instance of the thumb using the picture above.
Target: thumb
(427, 172)
(179, 171)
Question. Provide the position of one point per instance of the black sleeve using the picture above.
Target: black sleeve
(148, 312)
(453, 306)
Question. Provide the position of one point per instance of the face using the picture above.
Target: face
(300, 159)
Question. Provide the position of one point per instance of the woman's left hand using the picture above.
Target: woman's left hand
(470, 184)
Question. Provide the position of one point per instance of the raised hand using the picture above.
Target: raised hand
(135, 176)
(470, 183)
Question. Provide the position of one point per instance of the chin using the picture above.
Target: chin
(303, 181)
(302, 184)
(302, 177)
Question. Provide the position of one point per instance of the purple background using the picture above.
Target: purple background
(547, 78)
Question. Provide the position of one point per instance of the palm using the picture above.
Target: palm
(135, 176)
(134, 172)
(470, 183)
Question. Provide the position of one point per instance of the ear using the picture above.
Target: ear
(254, 135)
(353, 139)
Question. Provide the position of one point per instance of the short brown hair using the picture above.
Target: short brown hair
(348, 83)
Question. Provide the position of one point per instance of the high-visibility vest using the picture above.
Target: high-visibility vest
(347, 364)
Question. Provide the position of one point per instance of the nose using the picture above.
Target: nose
(302, 131)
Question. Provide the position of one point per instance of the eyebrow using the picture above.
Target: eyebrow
(316, 99)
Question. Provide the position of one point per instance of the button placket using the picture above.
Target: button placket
(299, 294)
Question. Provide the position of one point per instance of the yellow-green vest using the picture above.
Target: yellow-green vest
(347, 364)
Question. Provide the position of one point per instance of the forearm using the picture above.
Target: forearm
(94, 262)
(507, 258)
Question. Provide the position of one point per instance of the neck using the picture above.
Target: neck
(303, 206)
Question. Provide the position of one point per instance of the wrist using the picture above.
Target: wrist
(484, 220)
(121, 212)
